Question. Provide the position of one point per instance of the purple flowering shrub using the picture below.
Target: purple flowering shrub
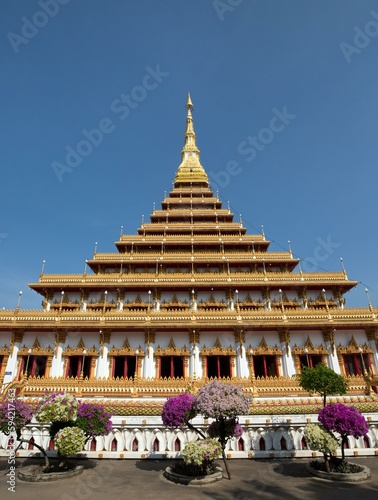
(94, 420)
(178, 411)
(223, 402)
(345, 420)
(14, 415)
(218, 400)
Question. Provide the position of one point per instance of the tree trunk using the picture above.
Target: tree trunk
(191, 427)
(225, 463)
(47, 463)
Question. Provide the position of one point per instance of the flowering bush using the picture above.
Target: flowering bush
(202, 453)
(178, 411)
(94, 420)
(345, 420)
(69, 441)
(218, 400)
(56, 407)
(14, 415)
(319, 439)
(231, 428)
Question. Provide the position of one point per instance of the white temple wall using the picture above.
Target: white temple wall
(299, 337)
(254, 338)
(208, 339)
(57, 363)
(102, 367)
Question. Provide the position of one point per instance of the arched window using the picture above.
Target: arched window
(241, 444)
(114, 445)
(177, 444)
(283, 443)
(262, 444)
(156, 445)
(135, 445)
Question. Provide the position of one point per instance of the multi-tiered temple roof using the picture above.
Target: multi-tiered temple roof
(190, 296)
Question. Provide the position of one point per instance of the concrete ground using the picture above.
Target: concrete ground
(143, 479)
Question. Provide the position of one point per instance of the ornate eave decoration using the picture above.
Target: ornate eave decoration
(126, 350)
(310, 347)
(4, 351)
(36, 350)
(218, 350)
(171, 350)
(265, 349)
(354, 348)
(78, 350)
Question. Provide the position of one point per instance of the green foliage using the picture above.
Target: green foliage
(322, 380)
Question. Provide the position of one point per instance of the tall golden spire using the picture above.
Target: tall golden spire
(190, 169)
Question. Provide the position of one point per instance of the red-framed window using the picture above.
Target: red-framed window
(124, 366)
(171, 366)
(310, 360)
(265, 365)
(36, 367)
(218, 366)
(353, 364)
(74, 366)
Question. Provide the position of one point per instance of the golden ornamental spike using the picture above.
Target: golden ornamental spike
(189, 104)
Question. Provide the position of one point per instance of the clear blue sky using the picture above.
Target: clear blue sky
(310, 178)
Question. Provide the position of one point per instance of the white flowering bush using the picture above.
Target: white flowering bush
(69, 441)
(57, 407)
(319, 439)
(202, 452)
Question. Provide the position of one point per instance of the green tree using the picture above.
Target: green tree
(322, 380)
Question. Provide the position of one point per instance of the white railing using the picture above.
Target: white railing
(265, 436)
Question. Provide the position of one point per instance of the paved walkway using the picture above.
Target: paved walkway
(143, 480)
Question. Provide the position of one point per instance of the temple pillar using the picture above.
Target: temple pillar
(12, 364)
(372, 336)
(329, 340)
(195, 369)
(288, 367)
(103, 362)
(149, 368)
(241, 359)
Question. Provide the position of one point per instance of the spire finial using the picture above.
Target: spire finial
(189, 104)
(190, 169)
